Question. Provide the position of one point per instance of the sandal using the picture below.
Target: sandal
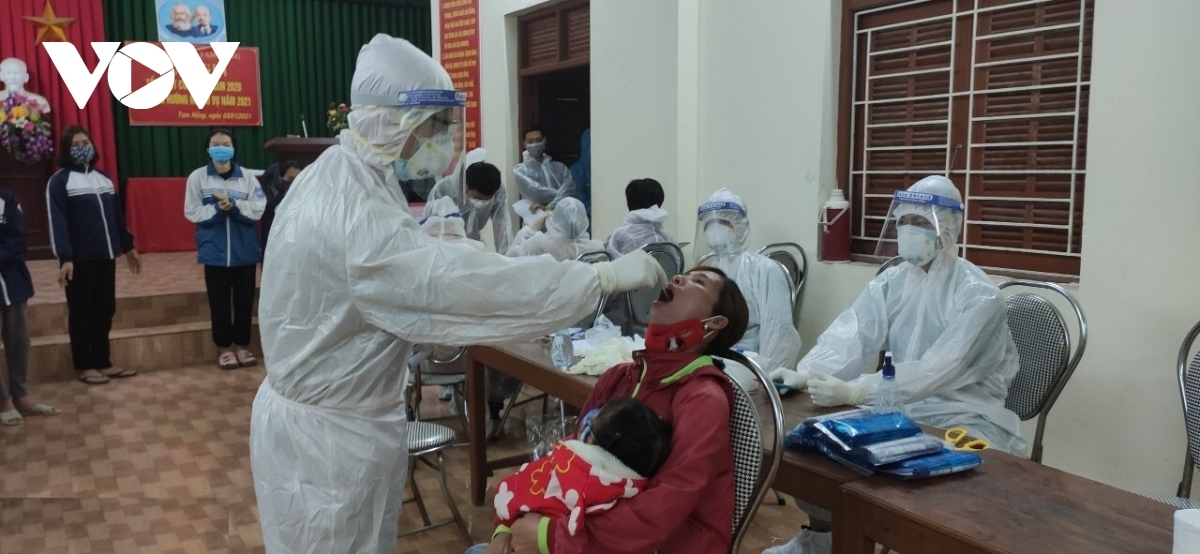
(227, 360)
(118, 373)
(246, 359)
(10, 418)
(93, 379)
(41, 410)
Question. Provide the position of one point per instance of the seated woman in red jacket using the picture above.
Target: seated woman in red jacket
(688, 505)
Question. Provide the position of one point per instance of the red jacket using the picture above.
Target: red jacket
(688, 505)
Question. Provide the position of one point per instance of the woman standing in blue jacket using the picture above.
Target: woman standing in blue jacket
(226, 203)
(88, 234)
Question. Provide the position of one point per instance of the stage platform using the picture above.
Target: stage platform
(162, 318)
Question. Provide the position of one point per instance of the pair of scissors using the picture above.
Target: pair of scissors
(958, 439)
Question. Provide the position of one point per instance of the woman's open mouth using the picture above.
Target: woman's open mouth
(666, 296)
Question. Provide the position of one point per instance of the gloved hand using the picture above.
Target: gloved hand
(795, 379)
(539, 221)
(827, 391)
(634, 271)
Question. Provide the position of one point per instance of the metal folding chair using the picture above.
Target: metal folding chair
(795, 262)
(424, 439)
(638, 303)
(1189, 396)
(753, 467)
(1047, 357)
(891, 262)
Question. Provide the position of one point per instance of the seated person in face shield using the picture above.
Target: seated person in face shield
(688, 505)
(723, 231)
(946, 325)
(621, 446)
(482, 200)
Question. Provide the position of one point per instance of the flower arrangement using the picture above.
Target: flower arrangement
(24, 130)
(337, 116)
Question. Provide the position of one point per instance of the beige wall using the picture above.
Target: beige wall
(702, 94)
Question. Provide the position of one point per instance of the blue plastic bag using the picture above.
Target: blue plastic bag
(943, 463)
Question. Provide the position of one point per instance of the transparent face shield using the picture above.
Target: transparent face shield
(720, 229)
(440, 139)
(913, 229)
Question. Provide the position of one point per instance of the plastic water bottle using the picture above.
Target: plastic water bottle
(888, 397)
(562, 351)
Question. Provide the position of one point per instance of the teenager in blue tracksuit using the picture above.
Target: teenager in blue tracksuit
(16, 288)
(88, 234)
(226, 203)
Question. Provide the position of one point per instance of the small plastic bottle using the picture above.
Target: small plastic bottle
(888, 399)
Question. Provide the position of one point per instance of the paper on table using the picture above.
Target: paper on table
(522, 207)
(1187, 532)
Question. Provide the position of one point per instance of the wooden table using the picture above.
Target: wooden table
(808, 476)
(1007, 505)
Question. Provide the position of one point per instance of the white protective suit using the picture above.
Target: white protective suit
(547, 182)
(565, 238)
(351, 283)
(641, 227)
(771, 332)
(947, 330)
(494, 209)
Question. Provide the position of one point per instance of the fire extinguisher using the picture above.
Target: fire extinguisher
(835, 227)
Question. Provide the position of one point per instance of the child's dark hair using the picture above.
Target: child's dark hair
(631, 431)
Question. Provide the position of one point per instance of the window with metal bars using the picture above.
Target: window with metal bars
(993, 94)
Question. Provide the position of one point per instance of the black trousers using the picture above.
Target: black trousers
(91, 304)
(231, 302)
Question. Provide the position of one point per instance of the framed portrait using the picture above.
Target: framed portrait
(195, 21)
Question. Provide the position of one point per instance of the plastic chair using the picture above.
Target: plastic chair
(638, 303)
(1047, 358)
(1189, 396)
(426, 438)
(753, 468)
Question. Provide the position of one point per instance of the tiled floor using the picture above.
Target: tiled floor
(162, 273)
(160, 464)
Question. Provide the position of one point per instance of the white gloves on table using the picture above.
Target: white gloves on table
(827, 391)
(634, 271)
(792, 378)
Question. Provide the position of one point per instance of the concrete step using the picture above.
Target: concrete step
(50, 319)
(143, 348)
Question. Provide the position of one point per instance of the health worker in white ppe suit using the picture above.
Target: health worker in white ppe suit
(945, 324)
(352, 283)
(479, 194)
(561, 232)
(722, 231)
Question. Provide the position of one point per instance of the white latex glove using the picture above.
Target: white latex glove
(827, 391)
(792, 378)
(634, 271)
(539, 222)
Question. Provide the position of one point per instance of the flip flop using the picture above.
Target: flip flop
(41, 410)
(119, 374)
(93, 379)
(10, 418)
(227, 360)
(246, 359)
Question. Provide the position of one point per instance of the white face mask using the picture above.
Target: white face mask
(432, 158)
(720, 238)
(480, 204)
(918, 246)
(536, 148)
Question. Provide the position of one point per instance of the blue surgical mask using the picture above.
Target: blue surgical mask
(401, 167)
(220, 154)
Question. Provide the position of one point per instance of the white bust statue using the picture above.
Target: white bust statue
(14, 74)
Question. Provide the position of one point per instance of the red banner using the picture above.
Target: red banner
(235, 102)
(460, 57)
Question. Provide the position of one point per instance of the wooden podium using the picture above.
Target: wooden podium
(302, 150)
